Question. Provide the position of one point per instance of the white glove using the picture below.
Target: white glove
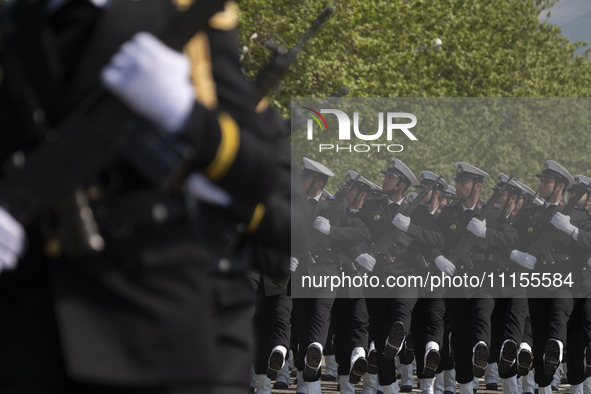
(200, 187)
(562, 222)
(321, 224)
(477, 227)
(12, 240)
(366, 260)
(152, 79)
(401, 222)
(293, 264)
(525, 260)
(445, 266)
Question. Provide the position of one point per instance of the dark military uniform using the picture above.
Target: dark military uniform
(579, 324)
(349, 320)
(549, 316)
(311, 316)
(384, 312)
(140, 313)
(470, 315)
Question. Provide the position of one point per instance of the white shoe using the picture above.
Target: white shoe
(545, 390)
(510, 385)
(431, 359)
(276, 361)
(314, 387)
(330, 364)
(370, 383)
(449, 380)
(390, 389)
(312, 360)
(467, 388)
(358, 365)
(346, 386)
(301, 387)
(491, 374)
(438, 386)
(263, 384)
(427, 385)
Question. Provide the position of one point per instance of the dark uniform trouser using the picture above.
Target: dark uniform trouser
(508, 322)
(350, 326)
(311, 317)
(549, 318)
(271, 328)
(579, 325)
(234, 311)
(447, 361)
(383, 312)
(470, 319)
(427, 325)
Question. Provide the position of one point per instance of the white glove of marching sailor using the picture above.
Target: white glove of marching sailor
(445, 266)
(401, 222)
(562, 222)
(477, 227)
(293, 264)
(366, 260)
(200, 187)
(12, 240)
(153, 80)
(524, 259)
(321, 224)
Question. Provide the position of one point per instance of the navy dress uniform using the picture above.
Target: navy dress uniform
(470, 311)
(139, 314)
(511, 310)
(549, 316)
(427, 326)
(578, 344)
(390, 318)
(334, 230)
(349, 318)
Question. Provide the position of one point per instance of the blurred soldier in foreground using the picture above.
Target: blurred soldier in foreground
(132, 309)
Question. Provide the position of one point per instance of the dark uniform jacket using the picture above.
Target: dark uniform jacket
(378, 215)
(139, 312)
(324, 255)
(532, 222)
(499, 234)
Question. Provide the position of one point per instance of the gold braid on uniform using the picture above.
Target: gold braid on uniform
(257, 217)
(227, 150)
(198, 51)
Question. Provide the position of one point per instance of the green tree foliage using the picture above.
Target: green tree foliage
(383, 48)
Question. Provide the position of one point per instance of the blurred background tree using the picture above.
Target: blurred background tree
(386, 48)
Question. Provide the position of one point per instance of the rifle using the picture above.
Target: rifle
(88, 140)
(393, 234)
(541, 247)
(274, 71)
(468, 239)
(323, 241)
